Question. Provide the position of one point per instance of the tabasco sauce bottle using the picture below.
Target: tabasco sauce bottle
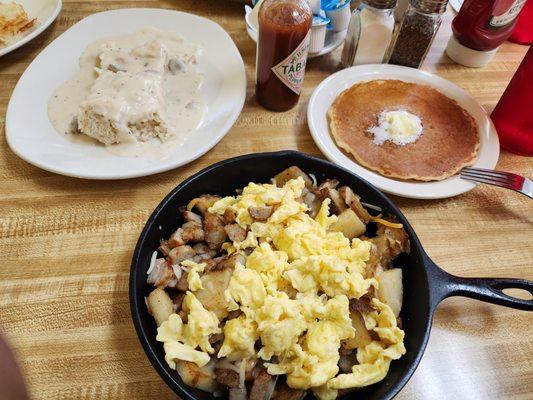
(284, 36)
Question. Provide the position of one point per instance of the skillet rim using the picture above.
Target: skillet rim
(183, 390)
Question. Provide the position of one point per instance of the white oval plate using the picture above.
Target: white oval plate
(46, 11)
(32, 137)
(331, 87)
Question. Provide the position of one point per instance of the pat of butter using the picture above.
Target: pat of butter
(399, 126)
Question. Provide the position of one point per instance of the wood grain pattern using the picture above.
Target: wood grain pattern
(66, 244)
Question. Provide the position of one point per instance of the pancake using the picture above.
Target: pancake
(449, 140)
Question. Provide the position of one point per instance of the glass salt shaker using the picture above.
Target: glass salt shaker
(369, 33)
(419, 26)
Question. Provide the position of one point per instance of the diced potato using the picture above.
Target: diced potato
(347, 361)
(202, 378)
(349, 224)
(337, 205)
(230, 262)
(238, 394)
(362, 336)
(328, 190)
(312, 201)
(203, 203)
(390, 243)
(214, 284)
(292, 173)
(159, 305)
(284, 392)
(390, 289)
(354, 201)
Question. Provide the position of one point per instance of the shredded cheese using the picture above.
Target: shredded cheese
(377, 219)
(191, 204)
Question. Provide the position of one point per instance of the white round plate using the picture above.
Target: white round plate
(46, 11)
(32, 137)
(332, 41)
(331, 87)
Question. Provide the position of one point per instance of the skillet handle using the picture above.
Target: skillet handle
(443, 285)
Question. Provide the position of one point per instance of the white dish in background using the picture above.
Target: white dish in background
(252, 15)
(32, 137)
(456, 4)
(332, 41)
(340, 17)
(46, 11)
(331, 87)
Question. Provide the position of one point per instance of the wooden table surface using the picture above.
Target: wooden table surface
(66, 243)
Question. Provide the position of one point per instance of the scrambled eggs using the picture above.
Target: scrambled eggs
(294, 296)
(193, 275)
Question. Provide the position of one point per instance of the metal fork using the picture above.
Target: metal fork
(503, 179)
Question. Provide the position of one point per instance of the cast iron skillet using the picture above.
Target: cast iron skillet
(425, 284)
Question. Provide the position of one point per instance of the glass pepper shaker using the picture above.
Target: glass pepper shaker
(419, 26)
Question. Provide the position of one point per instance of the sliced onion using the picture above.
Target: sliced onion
(371, 206)
(270, 389)
(313, 178)
(242, 375)
(177, 271)
(152, 263)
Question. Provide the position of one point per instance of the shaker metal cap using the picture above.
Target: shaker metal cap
(430, 6)
(381, 4)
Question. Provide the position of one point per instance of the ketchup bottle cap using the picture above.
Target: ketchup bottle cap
(466, 56)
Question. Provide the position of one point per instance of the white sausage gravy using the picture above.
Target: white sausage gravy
(136, 94)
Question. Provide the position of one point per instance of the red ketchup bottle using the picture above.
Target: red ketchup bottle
(513, 115)
(479, 28)
(284, 36)
(523, 31)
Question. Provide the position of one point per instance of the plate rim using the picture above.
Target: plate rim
(207, 146)
(340, 36)
(327, 145)
(33, 34)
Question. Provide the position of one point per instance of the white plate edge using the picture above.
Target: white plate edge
(193, 156)
(381, 68)
(33, 34)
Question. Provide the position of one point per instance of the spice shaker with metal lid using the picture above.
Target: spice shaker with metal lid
(419, 26)
(369, 33)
